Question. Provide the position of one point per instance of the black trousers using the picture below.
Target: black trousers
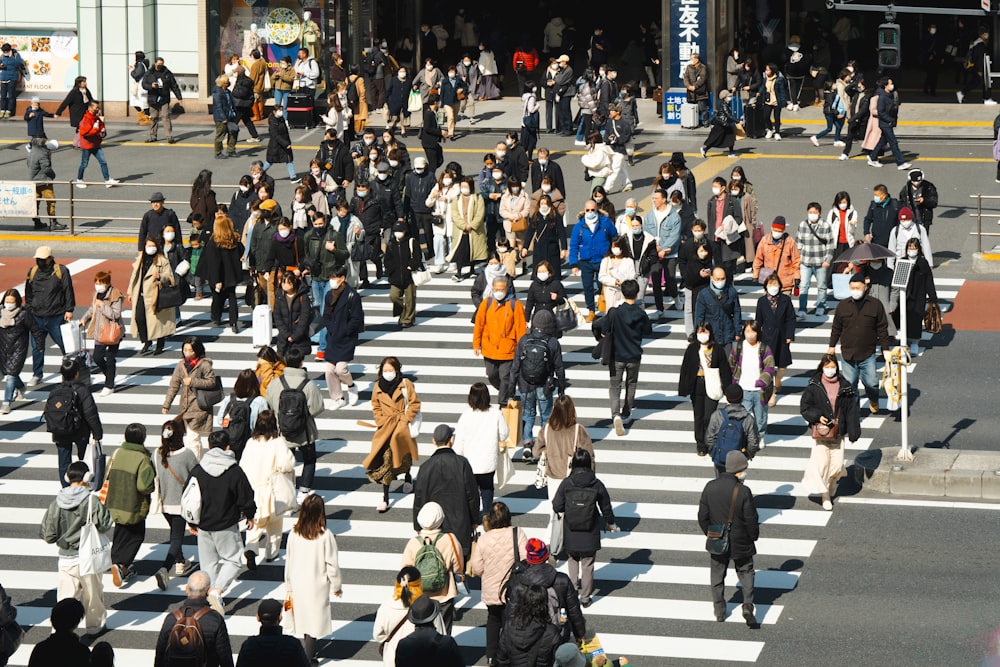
(494, 622)
(435, 157)
(218, 298)
(424, 222)
(498, 373)
(175, 554)
(307, 454)
(703, 407)
(244, 114)
(126, 542)
(105, 358)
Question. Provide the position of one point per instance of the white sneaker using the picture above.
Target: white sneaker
(795, 108)
(216, 602)
(789, 106)
(733, 156)
(960, 95)
(579, 143)
(777, 137)
(453, 267)
(301, 496)
(768, 134)
(814, 140)
(80, 184)
(35, 379)
(989, 102)
(338, 403)
(904, 166)
(839, 144)
(628, 186)
(760, 443)
(439, 268)
(873, 163)
(801, 314)
(828, 505)
(111, 182)
(658, 314)
(352, 394)
(619, 427)
(107, 391)
(5, 409)
(703, 151)
(843, 156)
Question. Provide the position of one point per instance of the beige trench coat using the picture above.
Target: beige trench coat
(158, 324)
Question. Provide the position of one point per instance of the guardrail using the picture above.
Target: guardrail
(979, 218)
(77, 197)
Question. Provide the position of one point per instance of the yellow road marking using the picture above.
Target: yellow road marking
(70, 239)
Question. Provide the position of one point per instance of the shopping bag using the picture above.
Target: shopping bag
(96, 461)
(556, 535)
(155, 499)
(841, 286)
(414, 104)
(421, 277)
(513, 414)
(72, 336)
(95, 548)
(541, 476)
(591, 649)
(505, 469)
(282, 493)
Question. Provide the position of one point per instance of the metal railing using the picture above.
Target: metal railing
(77, 196)
(979, 218)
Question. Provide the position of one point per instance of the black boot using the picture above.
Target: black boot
(38, 223)
(159, 345)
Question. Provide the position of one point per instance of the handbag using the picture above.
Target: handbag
(420, 277)
(541, 477)
(282, 493)
(254, 295)
(95, 548)
(417, 421)
(209, 398)
(102, 495)
(713, 381)
(288, 617)
(932, 319)
(557, 533)
(717, 543)
(96, 461)
(566, 315)
(414, 103)
(765, 272)
(505, 469)
(169, 296)
(829, 432)
(460, 94)
(110, 333)
(519, 225)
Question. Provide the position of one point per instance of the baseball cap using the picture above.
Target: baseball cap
(443, 433)
(269, 610)
(43, 252)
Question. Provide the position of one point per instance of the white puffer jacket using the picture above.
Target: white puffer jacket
(477, 437)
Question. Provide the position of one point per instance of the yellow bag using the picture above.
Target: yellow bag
(602, 304)
(741, 132)
(591, 649)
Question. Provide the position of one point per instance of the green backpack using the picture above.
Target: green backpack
(433, 573)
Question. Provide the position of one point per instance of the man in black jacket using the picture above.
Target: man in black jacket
(259, 255)
(215, 635)
(49, 297)
(446, 478)
(62, 647)
(387, 192)
(160, 82)
(517, 158)
(417, 184)
(89, 419)
(226, 497)
(369, 212)
(335, 159)
(723, 499)
(271, 647)
(922, 198)
(859, 323)
(425, 645)
(536, 381)
(155, 219)
(243, 98)
(546, 166)
(882, 216)
(626, 324)
(402, 258)
(431, 136)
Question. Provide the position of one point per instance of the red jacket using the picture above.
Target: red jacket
(528, 58)
(92, 131)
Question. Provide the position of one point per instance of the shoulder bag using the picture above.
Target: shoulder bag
(419, 419)
(95, 548)
(567, 316)
(717, 543)
(826, 433)
(208, 398)
(713, 381)
(392, 633)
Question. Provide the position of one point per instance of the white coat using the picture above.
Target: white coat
(261, 459)
(833, 217)
(614, 272)
(387, 617)
(478, 435)
(311, 575)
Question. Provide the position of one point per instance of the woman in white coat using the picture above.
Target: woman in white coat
(843, 220)
(478, 435)
(597, 159)
(267, 454)
(312, 575)
(439, 201)
(391, 622)
(616, 267)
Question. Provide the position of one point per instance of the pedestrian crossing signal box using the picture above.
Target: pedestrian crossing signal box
(888, 46)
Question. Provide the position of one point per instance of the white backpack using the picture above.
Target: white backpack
(191, 502)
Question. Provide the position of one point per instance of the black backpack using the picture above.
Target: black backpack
(581, 507)
(828, 100)
(535, 362)
(236, 422)
(293, 410)
(186, 641)
(353, 96)
(62, 411)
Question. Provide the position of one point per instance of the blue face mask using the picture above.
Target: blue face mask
(361, 193)
(876, 199)
(591, 217)
(630, 212)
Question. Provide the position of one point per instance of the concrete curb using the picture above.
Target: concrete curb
(932, 472)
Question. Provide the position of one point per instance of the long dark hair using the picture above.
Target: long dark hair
(312, 518)
(171, 438)
(407, 576)
(202, 184)
(266, 426)
(532, 607)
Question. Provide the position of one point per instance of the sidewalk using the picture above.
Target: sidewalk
(932, 472)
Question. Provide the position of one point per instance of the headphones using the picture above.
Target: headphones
(88, 477)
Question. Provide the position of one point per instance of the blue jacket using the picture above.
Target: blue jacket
(722, 313)
(222, 105)
(36, 121)
(591, 246)
(666, 233)
(13, 64)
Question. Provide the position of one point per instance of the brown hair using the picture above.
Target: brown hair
(563, 413)
(171, 438)
(312, 518)
(103, 277)
(223, 233)
(247, 385)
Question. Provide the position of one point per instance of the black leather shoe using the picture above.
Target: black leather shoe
(145, 347)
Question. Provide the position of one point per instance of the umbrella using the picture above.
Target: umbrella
(865, 252)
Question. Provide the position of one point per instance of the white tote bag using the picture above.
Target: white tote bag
(713, 382)
(505, 469)
(282, 493)
(421, 277)
(95, 548)
(72, 336)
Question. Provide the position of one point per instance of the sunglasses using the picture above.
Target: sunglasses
(590, 210)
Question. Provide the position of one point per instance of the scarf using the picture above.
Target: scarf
(189, 364)
(390, 387)
(832, 387)
(8, 317)
(773, 300)
(492, 273)
(147, 261)
(335, 293)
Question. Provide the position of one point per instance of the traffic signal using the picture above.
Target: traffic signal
(888, 46)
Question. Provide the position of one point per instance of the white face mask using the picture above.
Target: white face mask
(9, 306)
(466, 191)
(912, 254)
(842, 206)
(546, 188)
(315, 171)
(399, 235)
(388, 376)
(777, 235)
(698, 235)
(393, 163)
(500, 295)
(735, 193)
(718, 284)
(716, 191)
(906, 223)
(284, 233)
(736, 177)
(857, 294)
(373, 157)
(500, 154)
(466, 62)
(544, 210)
(402, 76)
(665, 174)
(428, 67)
(369, 141)
(334, 284)
(244, 188)
(497, 175)
(382, 176)
(875, 265)
(169, 236)
(813, 217)
(151, 250)
(543, 276)
(446, 180)
(703, 338)
(830, 372)
(616, 251)
(542, 161)
(933, 31)
(515, 190)
(773, 290)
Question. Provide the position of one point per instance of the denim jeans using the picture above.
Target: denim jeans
(85, 160)
(832, 123)
(318, 291)
(530, 400)
(588, 275)
(807, 274)
(630, 370)
(888, 139)
(288, 165)
(753, 404)
(8, 96)
(11, 382)
(49, 326)
(64, 449)
(866, 369)
(281, 98)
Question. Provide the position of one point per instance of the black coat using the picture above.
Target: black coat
(225, 498)
(446, 478)
(270, 648)
(539, 296)
(153, 223)
(517, 163)
(279, 143)
(430, 133)
(552, 170)
(693, 280)
(691, 364)
(239, 208)
(47, 294)
(335, 158)
(815, 404)
(401, 258)
(584, 542)
(923, 213)
(713, 509)
(218, 650)
(416, 188)
(90, 423)
(531, 646)
(546, 576)
(63, 649)
(242, 92)
(858, 326)
(14, 343)
(76, 104)
(549, 235)
(880, 219)
(556, 368)
(292, 321)
(286, 252)
(630, 324)
(369, 211)
(343, 321)
(160, 95)
(919, 291)
(776, 327)
(221, 265)
(426, 646)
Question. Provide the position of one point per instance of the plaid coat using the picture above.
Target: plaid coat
(816, 242)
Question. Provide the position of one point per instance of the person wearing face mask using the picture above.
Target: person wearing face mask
(286, 252)
(557, 200)
(816, 244)
(829, 406)
(775, 317)
(616, 267)
(41, 172)
(778, 253)
(222, 268)
(492, 190)
(843, 221)
(775, 99)
(454, 91)
(92, 131)
(753, 371)
(292, 317)
(904, 232)
(545, 237)
(597, 160)
(487, 88)
(546, 166)
(530, 119)
(368, 210)
(590, 241)
(364, 147)
(334, 159)
(386, 191)
(431, 136)
(859, 324)
(428, 78)
(500, 323)
(160, 82)
(605, 206)
(565, 89)
(445, 190)
(15, 330)
(77, 101)
(720, 305)
(302, 208)
(887, 111)
(919, 291)
(394, 150)
(343, 321)
(279, 144)
(402, 258)
(514, 209)
(156, 219)
(663, 222)
(239, 204)
(882, 216)
(395, 405)
(725, 214)
(49, 299)
(545, 292)
(417, 186)
(468, 72)
(259, 254)
(642, 247)
(396, 92)
(586, 100)
(468, 230)
(150, 271)
(723, 133)
(696, 270)
(977, 76)
(704, 354)
(696, 83)
(667, 180)
(324, 246)
(921, 196)
(516, 163)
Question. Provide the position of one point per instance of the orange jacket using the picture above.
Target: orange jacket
(787, 265)
(528, 58)
(498, 328)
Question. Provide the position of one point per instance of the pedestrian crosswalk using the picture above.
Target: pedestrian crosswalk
(652, 599)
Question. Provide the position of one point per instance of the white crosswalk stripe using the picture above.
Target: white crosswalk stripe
(652, 592)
